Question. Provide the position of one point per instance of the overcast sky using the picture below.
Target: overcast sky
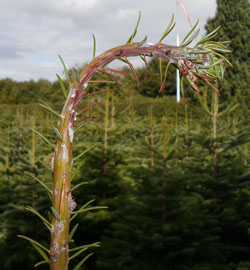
(34, 32)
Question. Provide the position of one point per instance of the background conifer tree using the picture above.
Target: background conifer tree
(19, 164)
(234, 19)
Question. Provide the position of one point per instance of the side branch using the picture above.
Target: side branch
(198, 63)
(205, 62)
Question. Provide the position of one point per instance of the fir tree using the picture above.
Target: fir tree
(234, 19)
(18, 154)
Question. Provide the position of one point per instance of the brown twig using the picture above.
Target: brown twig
(146, 66)
(88, 107)
(133, 70)
(163, 83)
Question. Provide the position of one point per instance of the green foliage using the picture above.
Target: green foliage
(162, 211)
(166, 219)
(167, 206)
(233, 18)
(18, 190)
(162, 195)
(13, 92)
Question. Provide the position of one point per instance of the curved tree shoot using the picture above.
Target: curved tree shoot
(205, 62)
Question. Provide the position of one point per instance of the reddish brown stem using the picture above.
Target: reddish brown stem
(133, 70)
(163, 83)
(86, 119)
(146, 67)
(118, 71)
(110, 75)
(88, 107)
(213, 87)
